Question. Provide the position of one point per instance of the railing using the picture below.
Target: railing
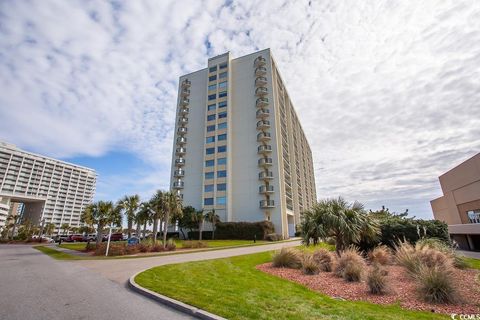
(265, 175)
(185, 102)
(265, 189)
(474, 216)
(260, 61)
(261, 91)
(260, 71)
(260, 81)
(184, 111)
(180, 161)
(181, 140)
(261, 102)
(264, 148)
(186, 83)
(183, 120)
(267, 203)
(180, 150)
(182, 130)
(262, 136)
(179, 173)
(261, 113)
(265, 162)
(263, 124)
(178, 184)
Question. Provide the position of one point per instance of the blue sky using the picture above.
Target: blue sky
(387, 92)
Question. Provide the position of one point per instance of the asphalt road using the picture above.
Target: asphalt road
(35, 286)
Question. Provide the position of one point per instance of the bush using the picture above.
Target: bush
(309, 265)
(144, 246)
(90, 247)
(412, 258)
(377, 280)
(406, 256)
(273, 237)
(287, 258)
(243, 230)
(432, 257)
(115, 249)
(324, 259)
(133, 249)
(350, 265)
(380, 255)
(435, 284)
(170, 246)
(194, 244)
(156, 247)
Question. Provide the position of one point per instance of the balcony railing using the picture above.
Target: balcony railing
(264, 136)
(473, 216)
(181, 140)
(260, 81)
(260, 71)
(261, 91)
(264, 148)
(185, 102)
(263, 124)
(180, 161)
(267, 204)
(265, 189)
(265, 162)
(180, 151)
(260, 61)
(182, 130)
(186, 83)
(179, 173)
(185, 92)
(267, 175)
(178, 184)
(261, 102)
(262, 113)
(184, 111)
(183, 120)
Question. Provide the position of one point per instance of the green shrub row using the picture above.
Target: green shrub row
(243, 230)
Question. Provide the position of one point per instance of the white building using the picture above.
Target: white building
(50, 190)
(239, 146)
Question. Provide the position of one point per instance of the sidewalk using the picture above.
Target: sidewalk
(470, 254)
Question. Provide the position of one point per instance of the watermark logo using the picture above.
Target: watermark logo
(455, 316)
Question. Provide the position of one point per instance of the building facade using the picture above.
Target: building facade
(50, 190)
(459, 206)
(239, 147)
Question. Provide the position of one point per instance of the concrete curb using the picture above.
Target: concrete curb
(175, 304)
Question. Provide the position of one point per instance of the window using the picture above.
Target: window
(211, 107)
(212, 78)
(209, 175)
(222, 137)
(221, 173)
(212, 87)
(210, 139)
(221, 161)
(223, 84)
(222, 125)
(211, 128)
(222, 75)
(208, 201)
(222, 94)
(222, 104)
(209, 163)
(221, 200)
(221, 186)
(222, 149)
(222, 115)
(211, 117)
(212, 69)
(223, 65)
(210, 150)
(208, 188)
(212, 97)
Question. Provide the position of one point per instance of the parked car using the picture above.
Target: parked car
(118, 236)
(64, 238)
(44, 239)
(91, 237)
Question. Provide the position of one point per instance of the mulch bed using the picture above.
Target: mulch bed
(402, 289)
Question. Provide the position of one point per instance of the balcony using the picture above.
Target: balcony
(183, 120)
(185, 102)
(186, 83)
(185, 92)
(182, 130)
(260, 61)
(181, 140)
(179, 173)
(178, 185)
(184, 111)
(180, 151)
(262, 113)
(264, 149)
(264, 136)
(264, 204)
(265, 162)
(180, 162)
(265, 189)
(262, 124)
(261, 91)
(260, 71)
(261, 102)
(260, 81)
(265, 175)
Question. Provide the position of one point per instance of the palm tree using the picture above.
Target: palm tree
(130, 204)
(346, 223)
(49, 228)
(213, 219)
(186, 220)
(199, 218)
(101, 213)
(173, 209)
(144, 216)
(65, 227)
(12, 221)
(158, 206)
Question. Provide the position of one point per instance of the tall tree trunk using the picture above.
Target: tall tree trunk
(138, 230)
(183, 233)
(129, 226)
(155, 229)
(144, 230)
(99, 234)
(213, 230)
(200, 228)
(165, 229)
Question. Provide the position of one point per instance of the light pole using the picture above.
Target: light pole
(108, 241)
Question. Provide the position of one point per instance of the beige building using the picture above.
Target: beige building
(50, 190)
(239, 147)
(459, 206)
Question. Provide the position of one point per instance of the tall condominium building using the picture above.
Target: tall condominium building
(239, 147)
(50, 190)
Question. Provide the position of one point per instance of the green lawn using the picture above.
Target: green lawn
(56, 254)
(472, 263)
(234, 289)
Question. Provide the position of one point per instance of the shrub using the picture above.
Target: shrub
(133, 249)
(350, 265)
(324, 259)
(243, 230)
(156, 247)
(432, 257)
(273, 237)
(459, 262)
(144, 246)
(406, 256)
(435, 284)
(194, 244)
(170, 246)
(377, 280)
(381, 255)
(115, 249)
(90, 247)
(309, 265)
(287, 258)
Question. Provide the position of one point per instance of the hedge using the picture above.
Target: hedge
(206, 235)
(243, 230)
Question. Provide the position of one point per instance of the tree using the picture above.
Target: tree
(199, 218)
(157, 204)
(101, 214)
(173, 209)
(346, 223)
(12, 222)
(144, 216)
(49, 228)
(213, 219)
(130, 204)
(186, 220)
(65, 227)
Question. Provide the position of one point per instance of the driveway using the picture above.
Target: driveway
(35, 286)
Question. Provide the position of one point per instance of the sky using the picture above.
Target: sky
(386, 91)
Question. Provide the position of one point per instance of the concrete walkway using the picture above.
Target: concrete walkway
(120, 270)
(470, 254)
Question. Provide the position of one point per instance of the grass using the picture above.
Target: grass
(247, 293)
(472, 263)
(56, 254)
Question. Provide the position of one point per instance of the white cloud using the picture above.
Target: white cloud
(387, 91)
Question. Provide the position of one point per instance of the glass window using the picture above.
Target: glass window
(212, 78)
(222, 137)
(212, 87)
(222, 149)
(209, 163)
(210, 150)
(212, 69)
(222, 104)
(223, 84)
(223, 65)
(222, 125)
(208, 201)
(211, 107)
(208, 188)
(209, 175)
(222, 94)
(221, 173)
(212, 97)
(211, 117)
(222, 75)
(222, 115)
(211, 128)
(221, 200)
(210, 139)
(221, 186)
(221, 161)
